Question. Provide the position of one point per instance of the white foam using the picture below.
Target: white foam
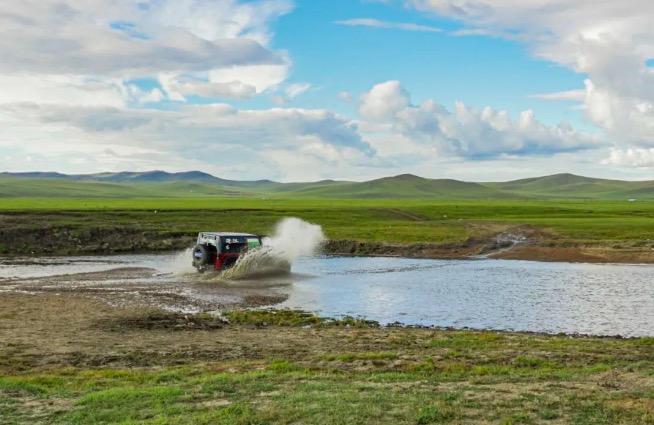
(293, 238)
(182, 264)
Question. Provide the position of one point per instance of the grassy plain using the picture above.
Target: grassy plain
(69, 361)
(393, 221)
(134, 367)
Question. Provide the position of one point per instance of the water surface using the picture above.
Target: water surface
(489, 294)
(483, 294)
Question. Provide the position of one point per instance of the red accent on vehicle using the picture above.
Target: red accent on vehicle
(220, 259)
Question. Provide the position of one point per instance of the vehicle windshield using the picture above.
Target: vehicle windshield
(231, 244)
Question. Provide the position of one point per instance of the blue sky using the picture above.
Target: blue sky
(476, 70)
(301, 90)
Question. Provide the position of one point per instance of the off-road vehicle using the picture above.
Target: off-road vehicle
(220, 250)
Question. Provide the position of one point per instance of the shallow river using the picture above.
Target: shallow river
(488, 294)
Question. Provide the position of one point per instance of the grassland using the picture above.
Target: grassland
(393, 221)
(104, 365)
(66, 360)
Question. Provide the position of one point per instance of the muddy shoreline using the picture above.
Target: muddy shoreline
(83, 332)
(58, 354)
(520, 243)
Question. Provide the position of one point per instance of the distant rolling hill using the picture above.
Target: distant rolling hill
(196, 184)
(405, 186)
(124, 177)
(13, 187)
(561, 186)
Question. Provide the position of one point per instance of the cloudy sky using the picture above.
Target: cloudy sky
(305, 90)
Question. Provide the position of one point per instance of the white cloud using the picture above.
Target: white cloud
(466, 131)
(563, 96)
(643, 158)
(376, 23)
(71, 90)
(290, 91)
(261, 77)
(223, 19)
(384, 101)
(217, 138)
(345, 96)
(98, 37)
(296, 89)
(87, 51)
(178, 86)
(76, 79)
(609, 41)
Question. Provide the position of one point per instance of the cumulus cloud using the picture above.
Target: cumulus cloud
(643, 158)
(98, 37)
(384, 101)
(467, 131)
(376, 23)
(215, 136)
(608, 41)
(88, 51)
(77, 79)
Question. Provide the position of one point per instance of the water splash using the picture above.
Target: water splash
(293, 238)
(182, 264)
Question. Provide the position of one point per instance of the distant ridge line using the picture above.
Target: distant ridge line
(157, 183)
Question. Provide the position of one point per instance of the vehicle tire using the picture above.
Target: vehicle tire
(201, 255)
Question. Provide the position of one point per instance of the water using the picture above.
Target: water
(483, 294)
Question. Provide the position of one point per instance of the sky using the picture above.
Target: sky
(306, 90)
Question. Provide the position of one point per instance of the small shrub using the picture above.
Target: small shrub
(548, 414)
(434, 414)
(531, 362)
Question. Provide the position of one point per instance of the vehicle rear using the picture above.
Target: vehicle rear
(219, 251)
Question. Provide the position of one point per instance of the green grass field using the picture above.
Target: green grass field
(393, 221)
(335, 376)
(359, 375)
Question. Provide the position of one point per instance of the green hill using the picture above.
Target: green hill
(560, 186)
(159, 184)
(11, 187)
(404, 186)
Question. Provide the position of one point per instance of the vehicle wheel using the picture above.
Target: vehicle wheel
(201, 256)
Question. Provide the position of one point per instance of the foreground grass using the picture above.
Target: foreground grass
(419, 377)
(410, 221)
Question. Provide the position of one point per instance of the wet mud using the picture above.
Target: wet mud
(149, 288)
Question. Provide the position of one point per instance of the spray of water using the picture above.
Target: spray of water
(293, 238)
(182, 265)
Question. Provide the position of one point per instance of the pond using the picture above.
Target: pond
(592, 299)
(596, 299)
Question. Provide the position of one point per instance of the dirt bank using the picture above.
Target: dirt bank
(507, 242)
(536, 249)
(84, 332)
(44, 330)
